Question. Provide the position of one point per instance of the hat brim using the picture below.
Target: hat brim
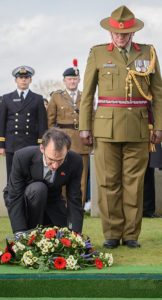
(138, 26)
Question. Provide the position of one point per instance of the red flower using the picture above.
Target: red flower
(49, 234)
(60, 263)
(65, 242)
(98, 263)
(6, 257)
(32, 239)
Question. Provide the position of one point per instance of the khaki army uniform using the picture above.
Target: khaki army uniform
(64, 113)
(121, 132)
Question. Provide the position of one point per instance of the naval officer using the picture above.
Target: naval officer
(23, 118)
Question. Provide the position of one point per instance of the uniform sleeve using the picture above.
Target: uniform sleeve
(156, 90)
(52, 112)
(42, 120)
(3, 120)
(89, 89)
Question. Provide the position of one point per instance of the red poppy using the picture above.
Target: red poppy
(62, 174)
(60, 263)
(49, 234)
(32, 239)
(6, 257)
(65, 242)
(98, 263)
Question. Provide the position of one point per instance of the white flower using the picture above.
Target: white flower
(1, 253)
(71, 263)
(35, 259)
(15, 248)
(20, 246)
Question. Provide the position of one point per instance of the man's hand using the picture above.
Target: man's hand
(2, 151)
(156, 137)
(86, 137)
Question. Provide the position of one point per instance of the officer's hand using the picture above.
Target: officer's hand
(86, 137)
(2, 151)
(156, 137)
(87, 141)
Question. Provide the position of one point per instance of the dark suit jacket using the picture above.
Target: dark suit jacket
(27, 167)
(21, 124)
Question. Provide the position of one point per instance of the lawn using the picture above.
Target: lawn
(151, 240)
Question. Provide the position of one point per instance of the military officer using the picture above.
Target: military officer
(23, 118)
(63, 112)
(128, 77)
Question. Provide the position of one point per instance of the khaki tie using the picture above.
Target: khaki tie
(124, 54)
(72, 95)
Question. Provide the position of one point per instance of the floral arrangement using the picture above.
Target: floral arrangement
(46, 248)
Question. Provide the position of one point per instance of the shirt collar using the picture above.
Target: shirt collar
(25, 92)
(69, 92)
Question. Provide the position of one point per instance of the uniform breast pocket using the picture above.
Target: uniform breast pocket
(61, 112)
(103, 123)
(108, 79)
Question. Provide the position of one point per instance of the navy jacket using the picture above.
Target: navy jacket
(21, 124)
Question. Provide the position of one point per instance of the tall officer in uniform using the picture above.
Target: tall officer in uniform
(63, 112)
(23, 118)
(128, 77)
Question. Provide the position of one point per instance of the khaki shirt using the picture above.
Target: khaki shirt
(108, 70)
(61, 110)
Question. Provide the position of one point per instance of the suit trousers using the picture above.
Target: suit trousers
(41, 211)
(120, 169)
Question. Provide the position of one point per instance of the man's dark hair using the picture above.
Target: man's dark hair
(59, 138)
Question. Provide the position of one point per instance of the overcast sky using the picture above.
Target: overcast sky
(48, 34)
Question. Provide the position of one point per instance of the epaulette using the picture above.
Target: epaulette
(100, 45)
(56, 92)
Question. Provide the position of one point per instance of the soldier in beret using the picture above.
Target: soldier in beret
(128, 78)
(23, 118)
(63, 112)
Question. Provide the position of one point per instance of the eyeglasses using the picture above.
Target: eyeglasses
(51, 161)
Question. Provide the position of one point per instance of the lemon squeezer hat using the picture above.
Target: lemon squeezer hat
(122, 20)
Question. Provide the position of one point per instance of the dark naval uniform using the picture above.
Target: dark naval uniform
(22, 123)
(121, 127)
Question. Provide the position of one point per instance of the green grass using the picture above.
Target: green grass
(151, 240)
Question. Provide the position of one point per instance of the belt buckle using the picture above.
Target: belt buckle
(76, 126)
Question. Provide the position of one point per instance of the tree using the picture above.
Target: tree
(45, 88)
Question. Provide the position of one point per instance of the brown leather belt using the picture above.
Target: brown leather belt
(69, 126)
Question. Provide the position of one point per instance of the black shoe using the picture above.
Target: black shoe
(111, 243)
(131, 244)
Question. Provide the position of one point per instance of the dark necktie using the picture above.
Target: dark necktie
(124, 54)
(22, 96)
(50, 176)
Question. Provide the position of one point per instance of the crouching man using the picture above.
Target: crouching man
(35, 185)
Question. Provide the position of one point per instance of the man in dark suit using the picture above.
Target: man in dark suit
(23, 118)
(35, 185)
